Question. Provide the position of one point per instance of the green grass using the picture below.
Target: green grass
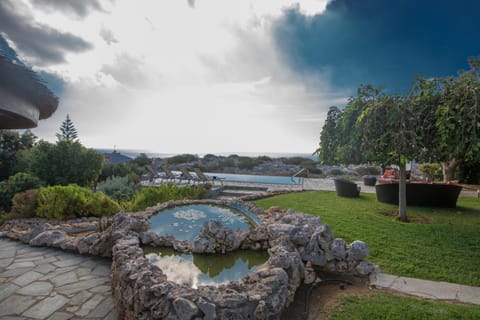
(439, 244)
(390, 307)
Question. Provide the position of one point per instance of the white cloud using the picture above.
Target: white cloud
(181, 78)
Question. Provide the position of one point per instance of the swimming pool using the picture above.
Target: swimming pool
(256, 179)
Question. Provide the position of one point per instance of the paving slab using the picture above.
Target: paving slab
(40, 288)
(27, 278)
(15, 305)
(7, 289)
(45, 284)
(436, 290)
(469, 294)
(46, 307)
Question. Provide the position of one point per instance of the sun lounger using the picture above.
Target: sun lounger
(168, 174)
(187, 176)
(204, 178)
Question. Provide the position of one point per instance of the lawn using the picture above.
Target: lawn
(438, 244)
(382, 305)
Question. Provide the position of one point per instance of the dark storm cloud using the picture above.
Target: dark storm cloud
(381, 42)
(80, 8)
(40, 43)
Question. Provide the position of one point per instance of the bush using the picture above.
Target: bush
(368, 171)
(336, 172)
(432, 170)
(148, 197)
(182, 158)
(118, 188)
(17, 183)
(72, 201)
(25, 204)
(469, 172)
(299, 161)
(66, 162)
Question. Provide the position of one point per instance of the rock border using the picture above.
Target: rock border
(298, 245)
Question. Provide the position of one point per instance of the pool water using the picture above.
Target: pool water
(185, 222)
(256, 178)
(205, 269)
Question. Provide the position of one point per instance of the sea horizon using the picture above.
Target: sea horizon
(133, 153)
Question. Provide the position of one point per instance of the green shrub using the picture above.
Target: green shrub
(336, 172)
(118, 188)
(433, 171)
(368, 171)
(25, 204)
(72, 201)
(17, 183)
(148, 197)
(182, 158)
(469, 172)
(299, 161)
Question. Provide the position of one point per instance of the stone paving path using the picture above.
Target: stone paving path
(45, 283)
(435, 290)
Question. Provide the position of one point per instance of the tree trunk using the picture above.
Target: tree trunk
(449, 168)
(402, 193)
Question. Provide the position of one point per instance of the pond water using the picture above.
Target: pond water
(205, 269)
(185, 222)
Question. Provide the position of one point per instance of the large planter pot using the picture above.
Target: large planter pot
(421, 194)
(369, 180)
(346, 188)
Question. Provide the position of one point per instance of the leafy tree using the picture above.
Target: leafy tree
(182, 158)
(14, 151)
(142, 160)
(458, 121)
(17, 183)
(350, 151)
(66, 162)
(67, 131)
(389, 135)
(329, 137)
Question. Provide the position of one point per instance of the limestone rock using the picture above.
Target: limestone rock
(51, 238)
(337, 248)
(358, 251)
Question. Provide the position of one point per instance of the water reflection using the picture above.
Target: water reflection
(185, 222)
(205, 269)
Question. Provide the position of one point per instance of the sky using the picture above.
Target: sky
(224, 76)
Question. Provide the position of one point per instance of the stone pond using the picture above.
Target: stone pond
(294, 245)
